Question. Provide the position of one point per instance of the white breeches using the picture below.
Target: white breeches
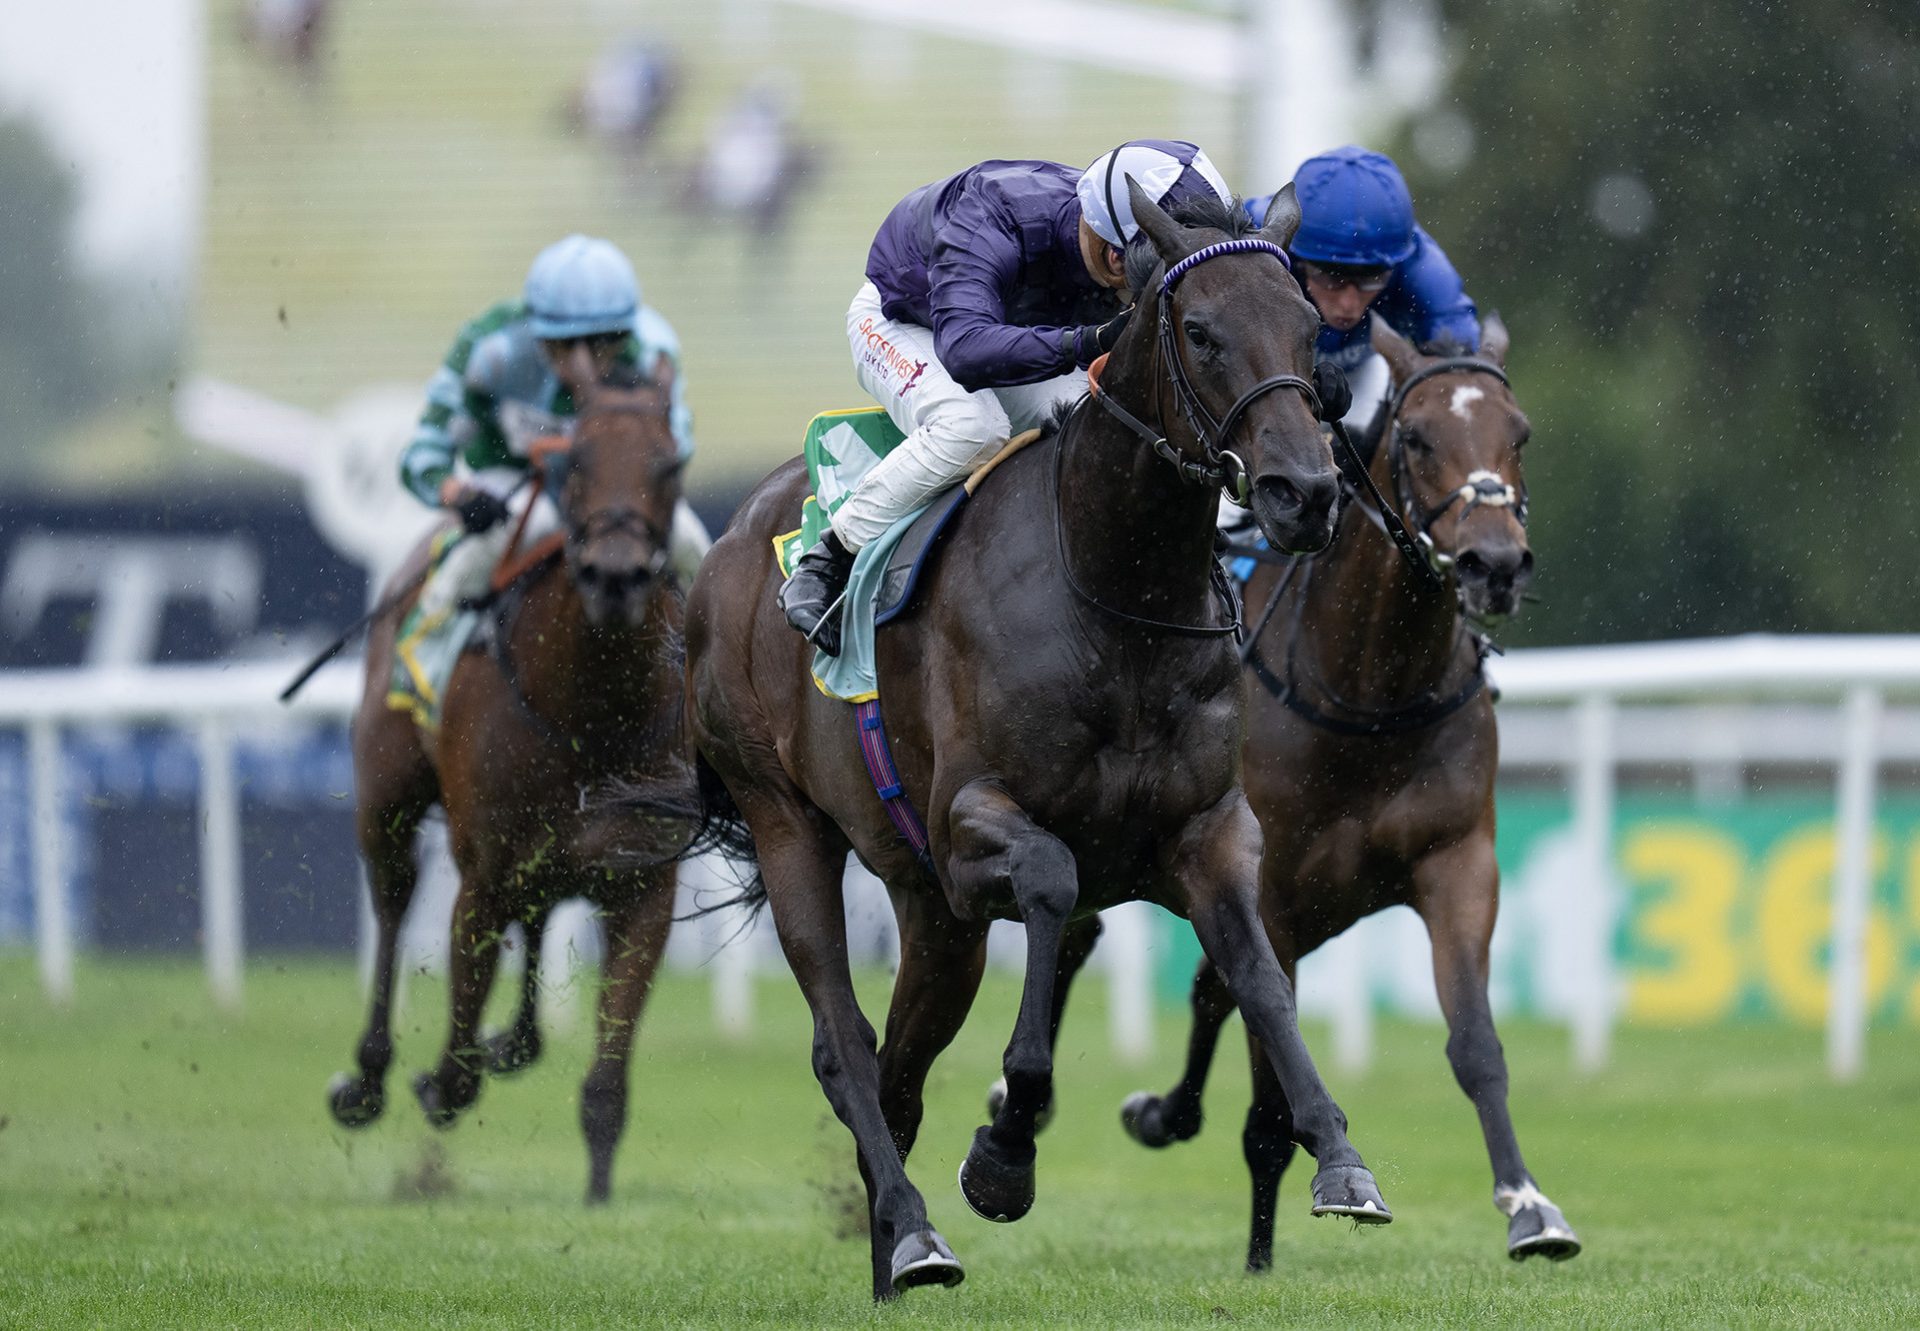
(949, 430)
(468, 567)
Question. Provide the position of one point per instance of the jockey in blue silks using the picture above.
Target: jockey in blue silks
(1359, 253)
(987, 294)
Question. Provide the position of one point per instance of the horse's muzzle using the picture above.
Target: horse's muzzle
(1296, 510)
(615, 593)
(1492, 577)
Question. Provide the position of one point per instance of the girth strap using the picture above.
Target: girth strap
(878, 756)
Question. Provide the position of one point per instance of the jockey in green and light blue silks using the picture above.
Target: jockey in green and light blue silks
(515, 375)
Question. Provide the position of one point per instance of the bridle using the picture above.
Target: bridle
(1222, 469)
(620, 518)
(1480, 489)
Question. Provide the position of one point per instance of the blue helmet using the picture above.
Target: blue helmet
(1354, 210)
(581, 286)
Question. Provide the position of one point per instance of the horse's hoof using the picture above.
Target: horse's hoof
(997, 1096)
(996, 1187)
(1144, 1116)
(1349, 1190)
(353, 1101)
(1536, 1227)
(924, 1258)
(440, 1108)
(507, 1053)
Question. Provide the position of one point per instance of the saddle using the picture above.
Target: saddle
(889, 571)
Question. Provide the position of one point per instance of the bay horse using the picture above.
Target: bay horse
(581, 687)
(1065, 707)
(1371, 754)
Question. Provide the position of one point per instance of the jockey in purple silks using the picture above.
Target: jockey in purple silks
(987, 294)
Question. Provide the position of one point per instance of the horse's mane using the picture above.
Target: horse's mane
(1199, 210)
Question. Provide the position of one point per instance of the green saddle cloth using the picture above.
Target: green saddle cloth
(840, 448)
(426, 650)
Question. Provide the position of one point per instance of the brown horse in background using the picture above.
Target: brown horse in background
(582, 687)
(1065, 709)
(1371, 754)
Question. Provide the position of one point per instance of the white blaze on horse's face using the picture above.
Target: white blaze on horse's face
(1463, 399)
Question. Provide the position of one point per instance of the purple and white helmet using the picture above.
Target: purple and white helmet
(1169, 170)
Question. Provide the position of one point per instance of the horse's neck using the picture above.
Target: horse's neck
(1138, 538)
(585, 681)
(1372, 630)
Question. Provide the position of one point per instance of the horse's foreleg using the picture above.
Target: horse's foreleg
(1267, 1143)
(473, 952)
(997, 851)
(1216, 864)
(1076, 945)
(803, 869)
(636, 936)
(1161, 1120)
(1457, 891)
(386, 842)
(518, 1047)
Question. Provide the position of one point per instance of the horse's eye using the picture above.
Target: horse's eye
(1199, 339)
(1413, 439)
(1525, 434)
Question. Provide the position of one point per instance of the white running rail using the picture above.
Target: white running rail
(1849, 679)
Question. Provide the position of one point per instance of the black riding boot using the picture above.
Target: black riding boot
(817, 582)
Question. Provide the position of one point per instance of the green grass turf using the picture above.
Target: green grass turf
(163, 1164)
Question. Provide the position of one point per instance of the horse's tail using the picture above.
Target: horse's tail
(718, 827)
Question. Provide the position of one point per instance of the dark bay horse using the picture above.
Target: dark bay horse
(1065, 709)
(1371, 754)
(582, 688)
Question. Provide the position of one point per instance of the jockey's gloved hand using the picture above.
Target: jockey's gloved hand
(480, 511)
(1096, 340)
(1336, 395)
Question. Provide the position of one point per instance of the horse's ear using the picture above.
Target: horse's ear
(1283, 217)
(1494, 339)
(1167, 235)
(1401, 357)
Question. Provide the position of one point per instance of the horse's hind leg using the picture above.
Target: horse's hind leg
(1076, 945)
(636, 936)
(1457, 892)
(1161, 1120)
(1216, 863)
(997, 851)
(396, 788)
(941, 961)
(518, 1047)
(802, 863)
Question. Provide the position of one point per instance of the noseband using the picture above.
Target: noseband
(1223, 469)
(622, 518)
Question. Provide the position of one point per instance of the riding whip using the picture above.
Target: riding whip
(359, 626)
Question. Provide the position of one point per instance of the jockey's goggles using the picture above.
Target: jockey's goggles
(1368, 280)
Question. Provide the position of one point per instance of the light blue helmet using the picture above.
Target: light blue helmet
(581, 286)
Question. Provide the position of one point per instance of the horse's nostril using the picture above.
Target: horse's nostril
(1472, 566)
